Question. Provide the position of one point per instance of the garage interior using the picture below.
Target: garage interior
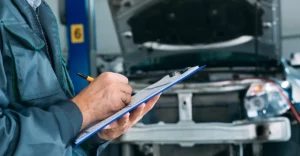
(244, 103)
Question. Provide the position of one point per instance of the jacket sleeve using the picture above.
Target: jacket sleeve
(38, 131)
(34, 131)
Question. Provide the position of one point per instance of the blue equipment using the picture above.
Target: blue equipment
(76, 14)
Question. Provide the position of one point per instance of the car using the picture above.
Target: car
(246, 100)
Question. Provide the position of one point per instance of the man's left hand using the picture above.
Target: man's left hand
(120, 126)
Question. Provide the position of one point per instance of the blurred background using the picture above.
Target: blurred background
(244, 103)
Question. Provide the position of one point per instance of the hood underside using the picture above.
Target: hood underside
(154, 29)
(180, 22)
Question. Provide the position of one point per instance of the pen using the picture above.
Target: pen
(88, 78)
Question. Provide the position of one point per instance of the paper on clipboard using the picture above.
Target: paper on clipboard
(138, 99)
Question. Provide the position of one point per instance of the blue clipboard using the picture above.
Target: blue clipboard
(138, 99)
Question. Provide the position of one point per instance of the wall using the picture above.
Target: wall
(107, 40)
(290, 13)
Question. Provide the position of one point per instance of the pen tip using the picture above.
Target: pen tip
(81, 75)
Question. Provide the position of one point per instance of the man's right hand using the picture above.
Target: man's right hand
(107, 94)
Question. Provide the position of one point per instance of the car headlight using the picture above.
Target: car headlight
(267, 99)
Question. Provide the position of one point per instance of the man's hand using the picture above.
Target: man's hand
(119, 127)
(107, 94)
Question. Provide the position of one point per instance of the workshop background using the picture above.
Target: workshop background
(245, 103)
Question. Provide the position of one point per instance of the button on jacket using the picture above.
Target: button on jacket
(36, 116)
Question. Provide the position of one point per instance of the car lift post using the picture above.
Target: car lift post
(78, 41)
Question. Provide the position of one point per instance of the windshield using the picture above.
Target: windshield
(211, 59)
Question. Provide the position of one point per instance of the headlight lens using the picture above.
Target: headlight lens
(266, 100)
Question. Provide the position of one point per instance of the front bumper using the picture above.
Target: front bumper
(190, 133)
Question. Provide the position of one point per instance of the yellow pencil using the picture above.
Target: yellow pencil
(88, 78)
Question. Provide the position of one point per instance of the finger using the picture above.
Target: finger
(107, 127)
(136, 114)
(122, 122)
(125, 88)
(121, 78)
(126, 98)
(119, 122)
(150, 104)
(112, 125)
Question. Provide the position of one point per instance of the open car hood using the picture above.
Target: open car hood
(150, 29)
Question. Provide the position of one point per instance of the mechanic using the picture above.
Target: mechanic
(39, 113)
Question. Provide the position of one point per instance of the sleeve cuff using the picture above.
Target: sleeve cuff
(74, 115)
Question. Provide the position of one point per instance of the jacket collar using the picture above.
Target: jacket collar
(28, 14)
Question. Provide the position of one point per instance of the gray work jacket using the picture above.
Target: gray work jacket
(36, 116)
